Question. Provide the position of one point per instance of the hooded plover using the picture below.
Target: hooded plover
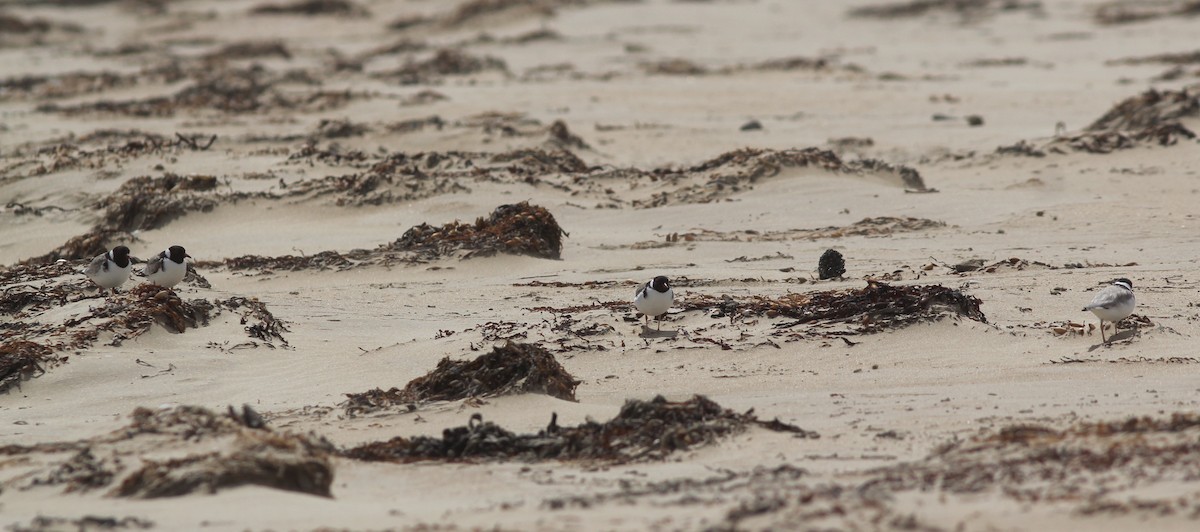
(168, 268)
(1114, 303)
(654, 298)
(111, 269)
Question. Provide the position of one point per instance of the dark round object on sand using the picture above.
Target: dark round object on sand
(831, 265)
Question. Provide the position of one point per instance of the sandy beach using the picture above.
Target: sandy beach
(417, 229)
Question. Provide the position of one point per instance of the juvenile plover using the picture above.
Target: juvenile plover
(654, 298)
(168, 268)
(1114, 303)
(110, 269)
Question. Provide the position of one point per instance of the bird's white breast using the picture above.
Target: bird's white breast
(652, 302)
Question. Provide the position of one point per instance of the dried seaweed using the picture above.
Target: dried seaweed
(966, 10)
(737, 170)
(30, 340)
(1151, 117)
(141, 203)
(831, 265)
(64, 85)
(874, 308)
(17, 31)
(118, 146)
(281, 461)
(475, 9)
(1177, 58)
(134, 312)
(643, 430)
(82, 472)
(535, 162)
(245, 454)
(232, 91)
(1089, 460)
(320, 261)
(511, 368)
(250, 50)
(445, 62)
(520, 229)
(337, 129)
(1128, 11)
(18, 298)
(312, 8)
(1151, 109)
(21, 360)
(87, 523)
(869, 227)
(258, 322)
(674, 67)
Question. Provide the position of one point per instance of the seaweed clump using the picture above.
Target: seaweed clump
(311, 8)
(1148, 110)
(876, 307)
(520, 229)
(44, 523)
(141, 203)
(511, 368)
(1128, 11)
(258, 322)
(966, 10)
(286, 462)
(145, 305)
(738, 170)
(1092, 460)
(831, 265)
(233, 450)
(445, 62)
(643, 430)
(21, 360)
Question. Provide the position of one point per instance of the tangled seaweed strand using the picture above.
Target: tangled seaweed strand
(643, 430)
(873, 308)
(511, 368)
(21, 360)
(1093, 459)
(1150, 109)
(140, 203)
(520, 228)
(256, 319)
(285, 462)
(148, 304)
(517, 229)
(258, 456)
(762, 163)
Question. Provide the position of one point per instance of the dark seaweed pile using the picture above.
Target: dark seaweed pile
(511, 368)
(643, 430)
(1151, 109)
(876, 307)
(140, 203)
(520, 229)
(831, 265)
(21, 360)
(247, 454)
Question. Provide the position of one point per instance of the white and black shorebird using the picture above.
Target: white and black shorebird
(654, 298)
(1114, 303)
(168, 268)
(111, 269)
